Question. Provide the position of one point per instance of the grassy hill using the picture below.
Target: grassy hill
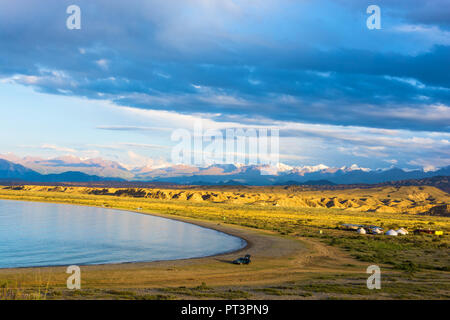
(387, 199)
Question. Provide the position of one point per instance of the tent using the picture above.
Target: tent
(361, 231)
(402, 231)
(391, 233)
(376, 231)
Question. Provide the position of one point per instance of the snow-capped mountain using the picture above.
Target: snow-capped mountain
(94, 166)
(212, 174)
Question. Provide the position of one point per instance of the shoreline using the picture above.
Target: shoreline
(275, 259)
(233, 230)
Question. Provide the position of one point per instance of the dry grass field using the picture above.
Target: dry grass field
(298, 249)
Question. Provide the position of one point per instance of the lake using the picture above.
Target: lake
(45, 234)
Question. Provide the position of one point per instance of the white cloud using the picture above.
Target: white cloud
(143, 145)
(431, 164)
(103, 63)
(432, 33)
(138, 161)
(57, 148)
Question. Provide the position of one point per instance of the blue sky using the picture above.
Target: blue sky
(137, 70)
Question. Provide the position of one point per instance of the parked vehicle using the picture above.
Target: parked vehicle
(243, 260)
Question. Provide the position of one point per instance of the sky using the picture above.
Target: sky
(136, 71)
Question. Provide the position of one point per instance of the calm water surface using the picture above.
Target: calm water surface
(47, 234)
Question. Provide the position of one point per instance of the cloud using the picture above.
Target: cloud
(334, 88)
(216, 57)
(131, 128)
(301, 141)
(138, 161)
(102, 63)
(391, 161)
(143, 145)
(430, 163)
(57, 148)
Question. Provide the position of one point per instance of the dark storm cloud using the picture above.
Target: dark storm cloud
(218, 58)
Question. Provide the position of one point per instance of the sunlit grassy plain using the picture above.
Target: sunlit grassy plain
(419, 265)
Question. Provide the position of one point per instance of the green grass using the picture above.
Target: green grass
(16, 292)
(203, 291)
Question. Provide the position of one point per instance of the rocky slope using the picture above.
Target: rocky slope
(404, 199)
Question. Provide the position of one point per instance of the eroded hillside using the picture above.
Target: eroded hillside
(404, 199)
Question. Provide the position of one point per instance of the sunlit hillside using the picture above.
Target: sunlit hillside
(405, 199)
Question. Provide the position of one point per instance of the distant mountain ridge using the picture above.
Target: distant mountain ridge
(9, 170)
(308, 183)
(440, 182)
(77, 170)
(95, 166)
(12, 171)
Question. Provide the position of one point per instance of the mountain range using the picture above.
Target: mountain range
(73, 169)
(16, 172)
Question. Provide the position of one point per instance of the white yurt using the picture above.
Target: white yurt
(391, 233)
(402, 232)
(376, 231)
(361, 231)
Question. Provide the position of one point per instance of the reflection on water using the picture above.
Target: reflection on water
(44, 234)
